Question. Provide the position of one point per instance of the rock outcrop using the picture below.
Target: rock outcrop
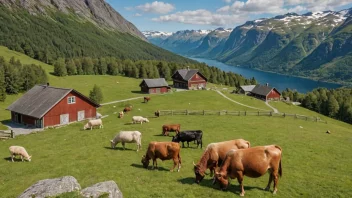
(99, 189)
(51, 187)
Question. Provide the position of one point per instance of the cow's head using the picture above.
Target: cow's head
(175, 138)
(145, 161)
(222, 179)
(112, 144)
(29, 158)
(146, 120)
(199, 174)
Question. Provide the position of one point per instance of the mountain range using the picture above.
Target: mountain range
(316, 45)
(50, 29)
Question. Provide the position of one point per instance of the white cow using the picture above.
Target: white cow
(137, 119)
(19, 150)
(92, 123)
(127, 137)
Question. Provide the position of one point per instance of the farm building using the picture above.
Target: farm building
(189, 79)
(265, 92)
(151, 86)
(245, 89)
(44, 106)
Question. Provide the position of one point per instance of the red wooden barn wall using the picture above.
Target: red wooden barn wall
(162, 90)
(53, 116)
(273, 95)
(197, 80)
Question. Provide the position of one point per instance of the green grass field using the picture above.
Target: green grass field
(315, 164)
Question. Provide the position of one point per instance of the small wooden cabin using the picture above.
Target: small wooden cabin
(265, 92)
(153, 86)
(246, 89)
(45, 106)
(189, 79)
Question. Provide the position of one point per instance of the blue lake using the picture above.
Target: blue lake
(279, 81)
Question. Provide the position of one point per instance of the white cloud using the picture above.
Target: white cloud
(227, 1)
(318, 5)
(201, 17)
(128, 8)
(157, 7)
(137, 15)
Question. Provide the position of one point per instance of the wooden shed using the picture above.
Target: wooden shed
(152, 86)
(189, 79)
(265, 92)
(246, 89)
(45, 106)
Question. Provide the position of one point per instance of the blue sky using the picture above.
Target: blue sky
(174, 15)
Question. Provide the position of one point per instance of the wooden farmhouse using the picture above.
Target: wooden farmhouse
(246, 89)
(265, 92)
(152, 86)
(45, 106)
(189, 79)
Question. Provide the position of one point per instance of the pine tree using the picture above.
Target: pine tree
(87, 66)
(60, 67)
(333, 106)
(2, 84)
(96, 94)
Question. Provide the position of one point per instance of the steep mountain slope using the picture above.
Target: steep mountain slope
(48, 29)
(212, 44)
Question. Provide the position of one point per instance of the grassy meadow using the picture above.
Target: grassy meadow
(315, 164)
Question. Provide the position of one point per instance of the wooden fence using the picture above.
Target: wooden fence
(6, 134)
(238, 113)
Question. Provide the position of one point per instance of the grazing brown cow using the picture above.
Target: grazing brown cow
(214, 154)
(127, 109)
(146, 99)
(252, 162)
(163, 151)
(166, 128)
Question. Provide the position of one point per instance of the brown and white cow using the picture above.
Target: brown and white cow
(127, 109)
(146, 99)
(166, 128)
(163, 151)
(214, 154)
(252, 162)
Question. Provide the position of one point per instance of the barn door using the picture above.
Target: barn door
(157, 90)
(64, 119)
(80, 115)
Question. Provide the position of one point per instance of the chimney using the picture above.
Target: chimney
(267, 84)
(187, 67)
(47, 84)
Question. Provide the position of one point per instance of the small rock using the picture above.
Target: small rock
(99, 189)
(51, 187)
(301, 127)
(328, 132)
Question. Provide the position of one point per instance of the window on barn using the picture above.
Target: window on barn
(71, 100)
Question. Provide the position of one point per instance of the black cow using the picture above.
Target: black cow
(188, 136)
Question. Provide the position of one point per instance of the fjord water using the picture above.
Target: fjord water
(279, 81)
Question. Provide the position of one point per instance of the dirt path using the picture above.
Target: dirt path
(117, 101)
(275, 110)
(223, 95)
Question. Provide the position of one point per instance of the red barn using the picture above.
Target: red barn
(151, 86)
(189, 79)
(44, 106)
(266, 92)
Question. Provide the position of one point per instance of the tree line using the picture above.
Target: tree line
(15, 77)
(143, 69)
(335, 103)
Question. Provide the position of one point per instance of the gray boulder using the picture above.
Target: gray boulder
(108, 187)
(51, 187)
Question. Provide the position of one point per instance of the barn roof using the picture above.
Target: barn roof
(157, 82)
(40, 99)
(187, 74)
(263, 90)
(247, 87)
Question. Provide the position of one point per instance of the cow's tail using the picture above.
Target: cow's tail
(280, 169)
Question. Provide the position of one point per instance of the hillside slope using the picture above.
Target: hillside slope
(46, 30)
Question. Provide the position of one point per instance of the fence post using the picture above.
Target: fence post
(295, 116)
(203, 112)
(186, 112)
(306, 118)
(316, 119)
(172, 112)
(220, 112)
(258, 113)
(245, 113)
(271, 113)
(12, 134)
(239, 113)
(284, 115)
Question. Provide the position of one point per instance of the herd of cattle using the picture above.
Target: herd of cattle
(227, 159)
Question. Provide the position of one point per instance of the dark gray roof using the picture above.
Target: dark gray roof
(40, 99)
(157, 82)
(187, 73)
(248, 87)
(262, 90)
